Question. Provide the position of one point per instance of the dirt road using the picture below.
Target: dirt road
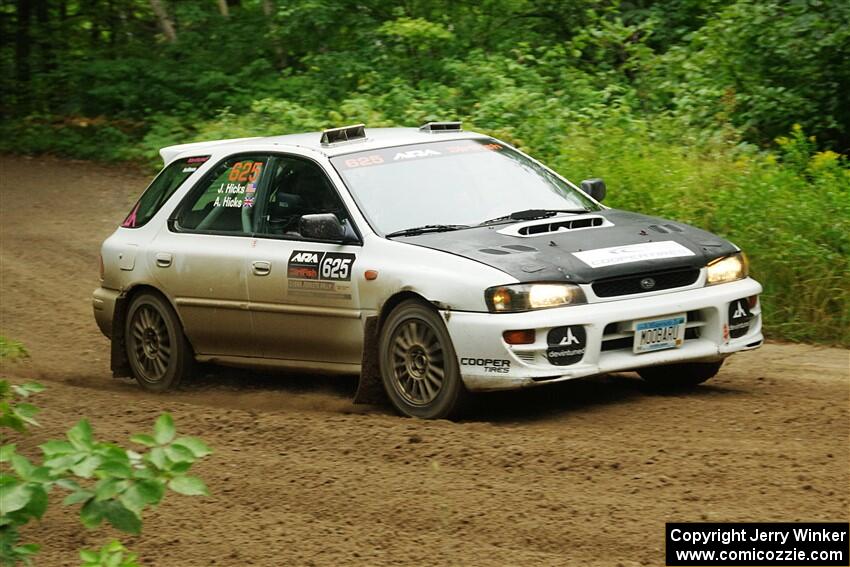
(582, 473)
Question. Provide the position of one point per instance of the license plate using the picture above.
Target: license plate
(659, 334)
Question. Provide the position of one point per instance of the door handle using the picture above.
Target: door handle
(163, 259)
(261, 267)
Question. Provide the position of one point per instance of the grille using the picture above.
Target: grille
(631, 284)
(527, 357)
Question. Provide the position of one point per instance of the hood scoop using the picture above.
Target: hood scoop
(554, 225)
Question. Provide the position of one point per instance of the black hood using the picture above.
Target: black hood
(549, 256)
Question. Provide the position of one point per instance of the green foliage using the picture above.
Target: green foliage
(15, 413)
(113, 554)
(116, 484)
(91, 80)
(12, 350)
(764, 64)
(108, 482)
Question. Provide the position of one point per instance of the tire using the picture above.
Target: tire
(160, 356)
(685, 375)
(419, 366)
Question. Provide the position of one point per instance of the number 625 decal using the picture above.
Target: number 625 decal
(335, 267)
(308, 265)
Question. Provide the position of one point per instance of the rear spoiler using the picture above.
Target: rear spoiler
(170, 152)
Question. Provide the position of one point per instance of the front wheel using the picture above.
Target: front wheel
(684, 375)
(418, 363)
(159, 354)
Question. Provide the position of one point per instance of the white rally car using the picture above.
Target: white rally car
(433, 262)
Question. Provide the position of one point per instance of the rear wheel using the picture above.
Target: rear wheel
(159, 354)
(418, 363)
(685, 375)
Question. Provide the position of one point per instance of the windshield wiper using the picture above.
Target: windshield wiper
(532, 214)
(426, 228)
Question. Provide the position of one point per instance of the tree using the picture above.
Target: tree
(22, 42)
(165, 22)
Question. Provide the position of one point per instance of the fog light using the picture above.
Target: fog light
(523, 337)
(753, 300)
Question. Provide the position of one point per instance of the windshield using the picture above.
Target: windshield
(457, 182)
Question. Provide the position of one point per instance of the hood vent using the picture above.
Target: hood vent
(665, 228)
(508, 249)
(554, 225)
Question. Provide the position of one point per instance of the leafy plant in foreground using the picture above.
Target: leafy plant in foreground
(15, 413)
(109, 482)
(12, 350)
(113, 554)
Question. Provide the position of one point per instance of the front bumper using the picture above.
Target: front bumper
(103, 303)
(487, 362)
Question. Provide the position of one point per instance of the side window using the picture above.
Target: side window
(298, 187)
(224, 201)
(158, 192)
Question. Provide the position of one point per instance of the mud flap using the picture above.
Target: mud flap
(118, 361)
(370, 389)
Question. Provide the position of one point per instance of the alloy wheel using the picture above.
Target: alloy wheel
(418, 363)
(150, 343)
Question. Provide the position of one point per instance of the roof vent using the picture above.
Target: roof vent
(437, 127)
(344, 134)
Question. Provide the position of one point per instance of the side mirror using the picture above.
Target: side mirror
(322, 226)
(594, 187)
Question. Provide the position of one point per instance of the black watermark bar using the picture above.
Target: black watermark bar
(813, 544)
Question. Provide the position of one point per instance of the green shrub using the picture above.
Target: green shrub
(108, 482)
(113, 554)
(12, 350)
(14, 412)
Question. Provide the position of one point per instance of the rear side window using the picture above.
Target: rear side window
(165, 184)
(224, 200)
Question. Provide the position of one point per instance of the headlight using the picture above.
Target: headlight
(728, 269)
(524, 297)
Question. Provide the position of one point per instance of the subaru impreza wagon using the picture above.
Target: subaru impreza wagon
(431, 261)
